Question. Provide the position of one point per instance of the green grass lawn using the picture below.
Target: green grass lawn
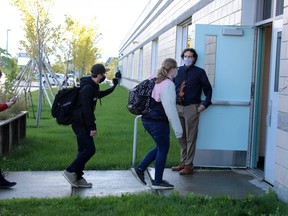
(146, 204)
(53, 147)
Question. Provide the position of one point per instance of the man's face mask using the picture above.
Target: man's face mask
(187, 61)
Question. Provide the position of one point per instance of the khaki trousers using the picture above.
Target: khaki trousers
(189, 118)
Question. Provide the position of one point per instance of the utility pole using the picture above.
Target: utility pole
(7, 40)
(6, 68)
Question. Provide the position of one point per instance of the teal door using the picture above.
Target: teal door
(226, 54)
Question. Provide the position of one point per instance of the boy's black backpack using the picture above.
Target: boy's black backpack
(140, 96)
(64, 104)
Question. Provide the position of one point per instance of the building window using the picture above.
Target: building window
(277, 66)
(279, 7)
(264, 9)
(154, 56)
(132, 66)
(186, 36)
(267, 9)
(183, 38)
(210, 57)
(126, 67)
(140, 74)
(189, 38)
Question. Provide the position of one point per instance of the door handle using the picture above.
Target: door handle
(231, 103)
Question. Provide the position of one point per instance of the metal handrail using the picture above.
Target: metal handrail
(134, 153)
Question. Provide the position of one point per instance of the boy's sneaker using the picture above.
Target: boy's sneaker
(84, 184)
(71, 177)
(139, 175)
(6, 184)
(163, 185)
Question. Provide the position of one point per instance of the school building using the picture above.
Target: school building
(243, 47)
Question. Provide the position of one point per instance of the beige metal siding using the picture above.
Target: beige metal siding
(281, 164)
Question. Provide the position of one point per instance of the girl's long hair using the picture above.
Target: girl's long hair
(167, 65)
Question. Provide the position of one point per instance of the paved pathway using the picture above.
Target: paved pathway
(51, 184)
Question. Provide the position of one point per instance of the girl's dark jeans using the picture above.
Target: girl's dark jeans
(160, 133)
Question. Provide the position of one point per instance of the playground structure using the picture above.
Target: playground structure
(32, 72)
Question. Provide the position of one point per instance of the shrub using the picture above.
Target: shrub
(7, 91)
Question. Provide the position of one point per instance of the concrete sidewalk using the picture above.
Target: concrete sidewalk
(51, 184)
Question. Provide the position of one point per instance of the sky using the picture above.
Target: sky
(114, 18)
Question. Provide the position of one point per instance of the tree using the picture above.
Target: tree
(113, 68)
(82, 41)
(38, 34)
(42, 39)
(9, 63)
(3, 58)
(58, 67)
(65, 45)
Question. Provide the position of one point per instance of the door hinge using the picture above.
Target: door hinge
(252, 90)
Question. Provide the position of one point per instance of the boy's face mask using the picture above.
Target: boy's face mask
(103, 78)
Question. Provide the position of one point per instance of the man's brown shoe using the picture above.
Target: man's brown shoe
(178, 168)
(187, 170)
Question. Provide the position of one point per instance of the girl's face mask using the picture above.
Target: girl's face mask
(176, 73)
